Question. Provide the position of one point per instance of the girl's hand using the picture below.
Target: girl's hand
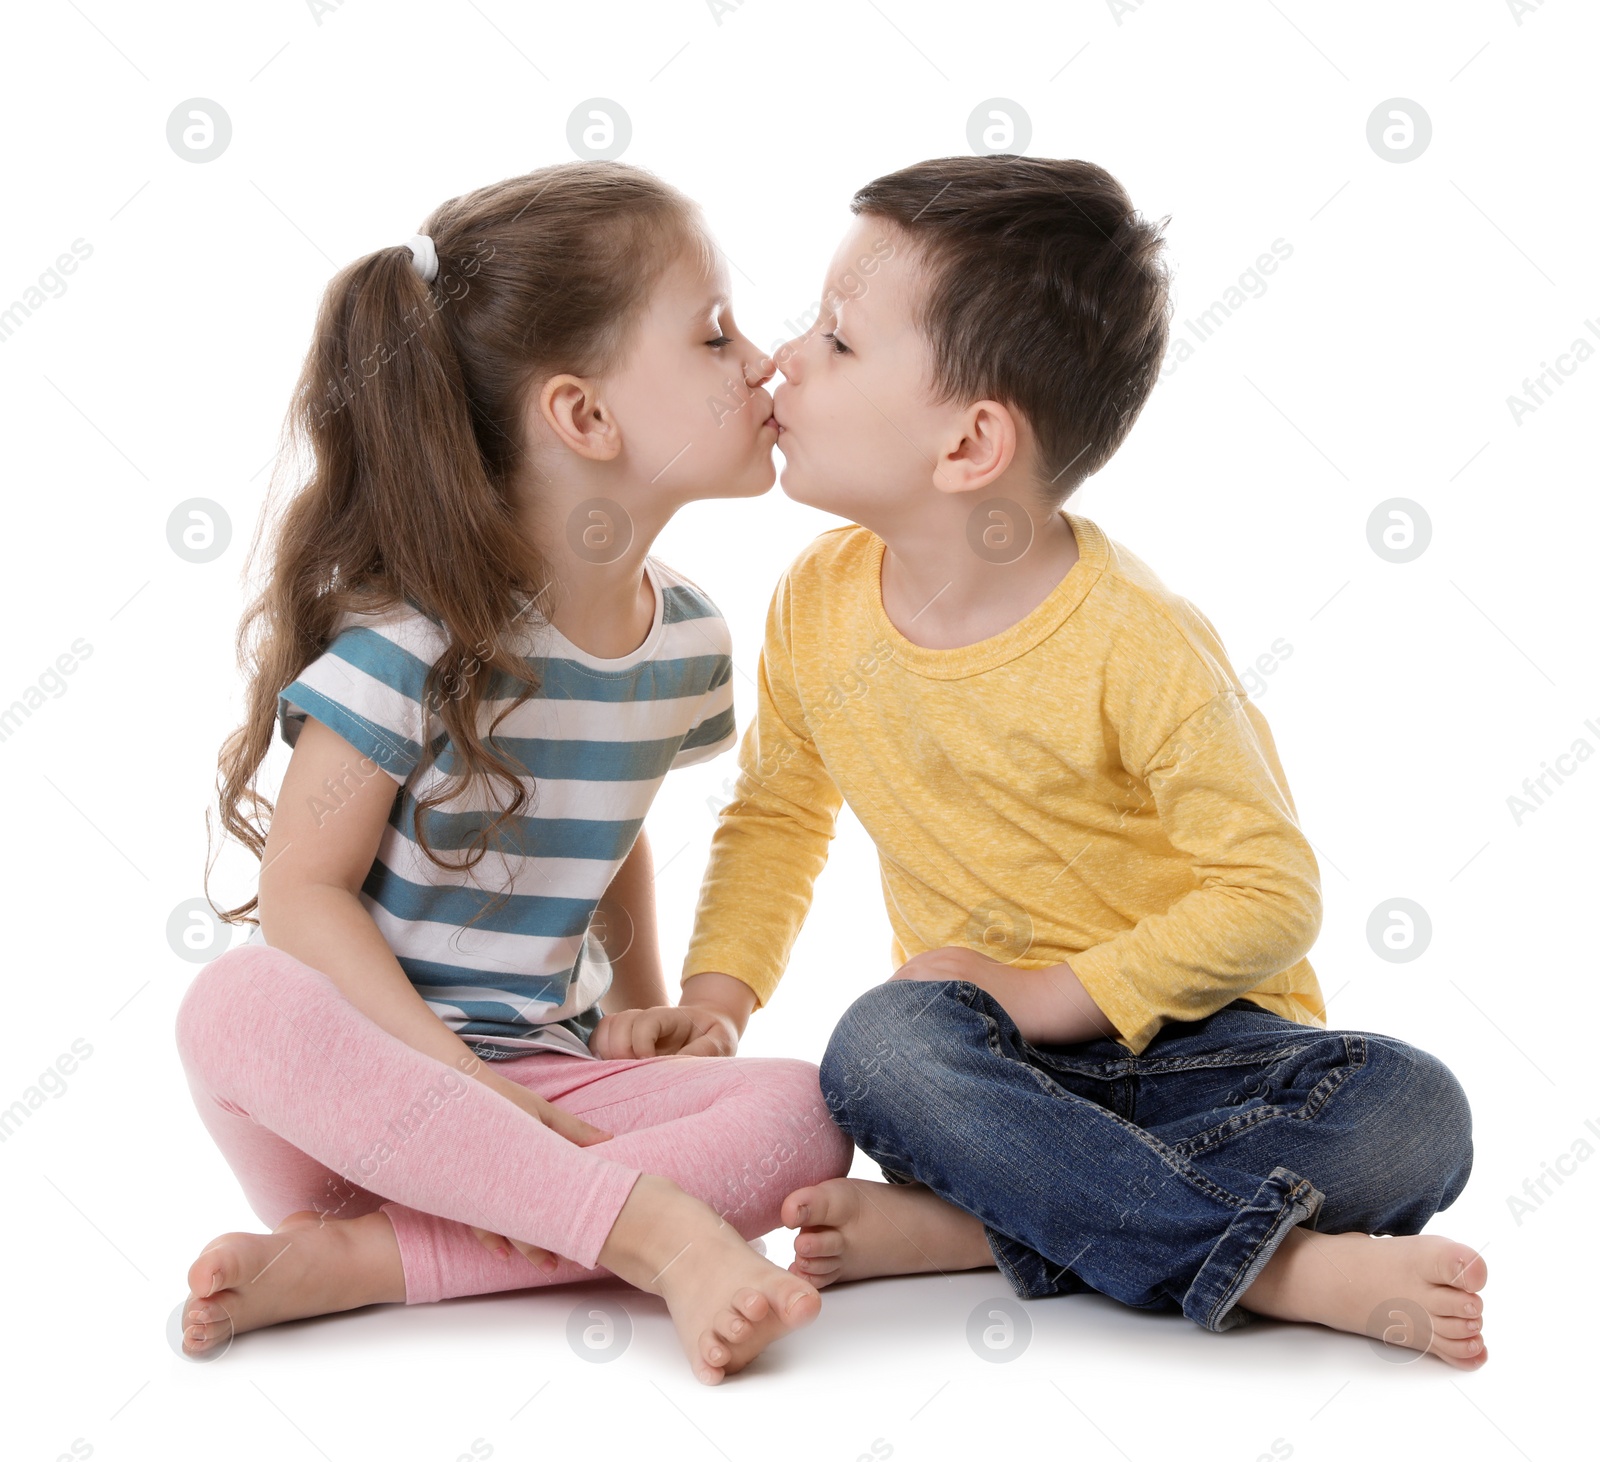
(568, 1125)
(664, 1030)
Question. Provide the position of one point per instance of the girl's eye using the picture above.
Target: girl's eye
(839, 347)
(720, 341)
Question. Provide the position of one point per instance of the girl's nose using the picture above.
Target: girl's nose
(758, 371)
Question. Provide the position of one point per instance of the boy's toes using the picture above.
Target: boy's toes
(1457, 1303)
(1462, 1266)
(797, 1207)
(1453, 1327)
(818, 1243)
(1469, 1353)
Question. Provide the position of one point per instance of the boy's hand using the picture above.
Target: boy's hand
(1048, 1006)
(664, 1030)
(956, 962)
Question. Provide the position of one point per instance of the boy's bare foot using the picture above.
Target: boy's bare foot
(1362, 1283)
(308, 1265)
(851, 1228)
(727, 1302)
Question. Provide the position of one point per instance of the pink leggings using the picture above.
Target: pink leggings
(305, 1095)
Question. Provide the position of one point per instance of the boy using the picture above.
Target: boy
(1102, 1061)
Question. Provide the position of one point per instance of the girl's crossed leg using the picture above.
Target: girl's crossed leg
(324, 1116)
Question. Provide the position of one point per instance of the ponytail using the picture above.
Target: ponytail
(410, 407)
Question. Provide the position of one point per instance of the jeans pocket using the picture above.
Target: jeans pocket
(1293, 1087)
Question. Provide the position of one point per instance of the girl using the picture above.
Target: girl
(484, 676)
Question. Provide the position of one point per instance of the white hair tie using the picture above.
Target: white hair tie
(424, 257)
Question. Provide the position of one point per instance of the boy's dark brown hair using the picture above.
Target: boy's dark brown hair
(1046, 291)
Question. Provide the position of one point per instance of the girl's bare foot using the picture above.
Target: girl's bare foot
(727, 1302)
(308, 1265)
(1413, 1290)
(854, 1229)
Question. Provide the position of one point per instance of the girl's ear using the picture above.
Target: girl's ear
(572, 409)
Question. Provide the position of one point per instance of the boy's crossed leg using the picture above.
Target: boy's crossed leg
(1203, 1175)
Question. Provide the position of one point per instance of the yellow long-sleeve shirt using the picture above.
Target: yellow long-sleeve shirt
(1091, 786)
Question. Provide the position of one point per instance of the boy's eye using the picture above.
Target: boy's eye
(839, 347)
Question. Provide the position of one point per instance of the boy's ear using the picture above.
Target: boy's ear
(981, 446)
(572, 409)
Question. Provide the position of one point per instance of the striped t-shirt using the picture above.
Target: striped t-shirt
(592, 747)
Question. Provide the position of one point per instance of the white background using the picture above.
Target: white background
(1417, 697)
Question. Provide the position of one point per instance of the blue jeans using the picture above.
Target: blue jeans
(1164, 1180)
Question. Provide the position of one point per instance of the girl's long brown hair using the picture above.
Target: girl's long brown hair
(411, 402)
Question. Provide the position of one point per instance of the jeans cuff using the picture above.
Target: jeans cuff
(1030, 1275)
(1283, 1200)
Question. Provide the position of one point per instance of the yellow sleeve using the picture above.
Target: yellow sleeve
(772, 839)
(1258, 904)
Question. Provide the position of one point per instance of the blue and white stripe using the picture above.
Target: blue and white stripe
(593, 747)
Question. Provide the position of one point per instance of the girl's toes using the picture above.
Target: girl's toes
(198, 1339)
(209, 1272)
(752, 1304)
(727, 1327)
(211, 1319)
(800, 1303)
(715, 1351)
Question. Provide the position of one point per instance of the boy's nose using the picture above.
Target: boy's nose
(758, 370)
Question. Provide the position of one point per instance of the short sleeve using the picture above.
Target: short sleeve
(368, 686)
(714, 731)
